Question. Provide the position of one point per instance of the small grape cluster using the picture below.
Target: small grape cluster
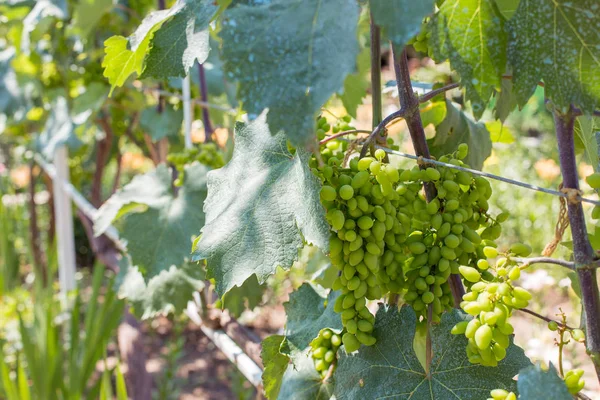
(324, 350)
(491, 302)
(501, 394)
(208, 154)
(574, 381)
(341, 125)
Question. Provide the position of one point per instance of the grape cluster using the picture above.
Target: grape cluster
(386, 238)
(574, 381)
(206, 153)
(361, 203)
(490, 301)
(324, 350)
(444, 237)
(501, 394)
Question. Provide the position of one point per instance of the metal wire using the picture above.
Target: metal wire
(487, 175)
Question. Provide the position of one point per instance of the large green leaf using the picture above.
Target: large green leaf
(290, 56)
(261, 208)
(161, 124)
(400, 19)
(535, 383)
(307, 313)
(471, 34)
(458, 128)
(507, 7)
(158, 225)
(166, 43)
(391, 369)
(301, 381)
(181, 40)
(557, 41)
(168, 292)
(275, 365)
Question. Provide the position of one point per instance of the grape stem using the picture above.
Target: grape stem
(340, 134)
(430, 95)
(540, 316)
(544, 260)
(582, 250)
(582, 396)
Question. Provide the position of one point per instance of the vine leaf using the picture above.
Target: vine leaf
(587, 132)
(458, 128)
(300, 57)
(166, 43)
(507, 7)
(88, 13)
(391, 368)
(301, 381)
(506, 101)
(400, 20)
(535, 383)
(307, 313)
(471, 35)
(181, 40)
(556, 41)
(167, 292)
(260, 209)
(163, 124)
(240, 298)
(357, 83)
(275, 365)
(59, 130)
(154, 218)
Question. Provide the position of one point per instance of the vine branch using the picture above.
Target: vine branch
(582, 249)
(344, 133)
(543, 317)
(381, 126)
(431, 94)
(545, 260)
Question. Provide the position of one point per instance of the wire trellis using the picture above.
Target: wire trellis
(487, 175)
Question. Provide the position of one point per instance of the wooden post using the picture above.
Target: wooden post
(65, 239)
(187, 112)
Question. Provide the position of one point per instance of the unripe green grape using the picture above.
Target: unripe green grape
(521, 294)
(427, 297)
(380, 154)
(470, 274)
(553, 325)
(351, 326)
(483, 337)
(346, 192)
(578, 335)
(336, 218)
(336, 340)
(490, 252)
(351, 343)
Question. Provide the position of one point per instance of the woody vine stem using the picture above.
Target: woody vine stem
(582, 250)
